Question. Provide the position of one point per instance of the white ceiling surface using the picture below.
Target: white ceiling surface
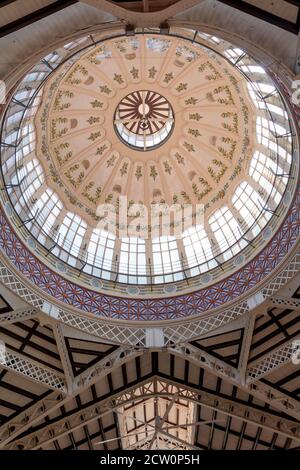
(280, 8)
(17, 46)
(281, 44)
(20, 8)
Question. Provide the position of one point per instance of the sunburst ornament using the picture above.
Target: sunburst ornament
(144, 120)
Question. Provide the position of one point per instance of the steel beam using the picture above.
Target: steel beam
(246, 345)
(32, 370)
(284, 303)
(64, 356)
(34, 414)
(157, 387)
(263, 392)
(272, 361)
(18, 315)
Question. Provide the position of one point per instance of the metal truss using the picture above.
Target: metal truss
(157, 387)
(285, 302)
(18, 287)
(288, 289)
(168, 442)
(140, 445)
(158, 430)
(66, 386)
(38, 411)
(104, 367)
(64, 356)
(246, 345)
(272, 361)
(32, 370)
(116, 334)
(137, 336)
(173, 442)
(184, 332)
(80, 418)
(207, 361)
(197, 328)
(219, 368)
(28, 418)
(18, 315)
(275, 398)
(283, 277)
(112, 362)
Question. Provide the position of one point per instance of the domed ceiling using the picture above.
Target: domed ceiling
(123, 125)
(190, 144)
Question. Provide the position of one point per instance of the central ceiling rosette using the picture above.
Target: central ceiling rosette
(144, 119)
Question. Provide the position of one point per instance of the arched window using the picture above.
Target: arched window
(47, 208)
(100, 253)
(132, 265)
(250, 205)
(263, 170)
(198, 250)
(166, 259)
(227, 231)
(70, 236)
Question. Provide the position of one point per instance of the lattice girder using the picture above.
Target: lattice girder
(275, 359)
(18, 315)
(39, 411)
(32, 370)
(162, 388)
